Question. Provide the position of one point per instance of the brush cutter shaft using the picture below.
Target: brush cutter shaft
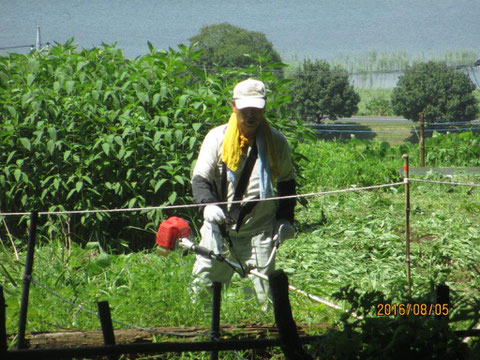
(203, 251)
(174, 231)
(200, 250)
(189, 245)
(293, 288)
(304, 293)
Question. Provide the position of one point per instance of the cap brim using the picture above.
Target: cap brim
(258, 103)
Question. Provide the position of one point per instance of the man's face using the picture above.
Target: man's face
(248, 119)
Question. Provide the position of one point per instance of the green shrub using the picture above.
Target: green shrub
(91, 129)
(453, 149)
(375, 102)
(336, 164)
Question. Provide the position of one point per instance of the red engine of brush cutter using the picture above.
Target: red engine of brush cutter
(170, 230)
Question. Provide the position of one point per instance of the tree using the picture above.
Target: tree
(229, 46)
(441, 93)
(318, 91)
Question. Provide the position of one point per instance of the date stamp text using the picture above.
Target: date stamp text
(414, 309)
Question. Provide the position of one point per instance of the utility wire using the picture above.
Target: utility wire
(442, 182)
(169, 207)
(84, 309)
(395, 131)
(386, 119)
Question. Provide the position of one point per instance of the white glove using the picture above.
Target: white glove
(283, 231)
(213, 214)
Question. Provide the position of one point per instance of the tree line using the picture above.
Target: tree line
(318, 90)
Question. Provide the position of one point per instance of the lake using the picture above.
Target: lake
(298, 29)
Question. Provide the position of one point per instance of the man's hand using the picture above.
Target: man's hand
(213, 214)
(283, 231)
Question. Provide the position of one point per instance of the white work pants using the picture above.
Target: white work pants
(251, 250)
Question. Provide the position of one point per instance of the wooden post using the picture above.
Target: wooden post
(3, 330)
(289, 338)
(107, 327)
(215, 326)
(27, 277)
(422, 140)
(442, 297)
(406, 175)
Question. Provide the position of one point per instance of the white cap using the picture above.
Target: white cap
(249, 93)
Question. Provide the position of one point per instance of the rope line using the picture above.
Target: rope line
(84, 309)
(169, 207)
(154, 331)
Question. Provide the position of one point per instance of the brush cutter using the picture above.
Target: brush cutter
(174, 233)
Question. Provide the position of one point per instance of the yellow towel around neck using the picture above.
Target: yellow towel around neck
(234, 143)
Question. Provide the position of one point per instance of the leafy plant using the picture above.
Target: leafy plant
(454, 149)
(90, 129)
(228, 46)
(318, 92)
(375, 102)
(438, 91)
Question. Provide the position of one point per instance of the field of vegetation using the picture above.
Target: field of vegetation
(126, 136)
(348, 244)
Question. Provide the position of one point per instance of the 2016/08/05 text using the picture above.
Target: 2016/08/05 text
(415, 309)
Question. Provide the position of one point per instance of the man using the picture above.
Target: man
(242, 160)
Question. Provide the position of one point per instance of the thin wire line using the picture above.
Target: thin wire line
(396, 131)
(150, 330)
(50, 291)
(443, 182)
(169, 207)
(386, 119)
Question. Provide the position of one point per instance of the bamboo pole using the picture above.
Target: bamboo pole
(406, 174)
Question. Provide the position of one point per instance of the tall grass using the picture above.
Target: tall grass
(375, 102)
(399, 60)
(373, 69)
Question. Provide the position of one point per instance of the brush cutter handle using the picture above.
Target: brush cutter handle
(203, 251)
(283, 231)
(200, 250)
